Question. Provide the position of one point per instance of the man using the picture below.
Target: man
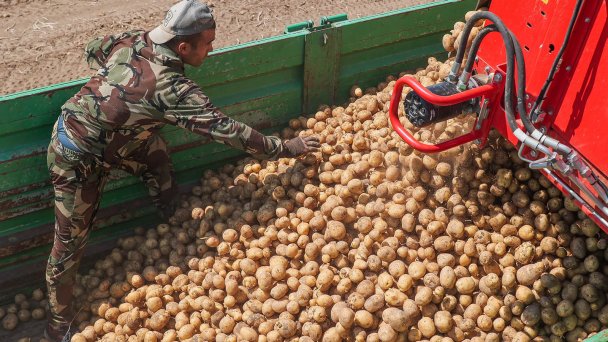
(113, 122)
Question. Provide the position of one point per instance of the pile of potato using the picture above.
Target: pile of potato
(23, 309)
(451, 41)
(366, 240)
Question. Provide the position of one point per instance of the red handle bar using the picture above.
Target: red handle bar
(438, 100)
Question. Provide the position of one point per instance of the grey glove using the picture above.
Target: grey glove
(300, 145)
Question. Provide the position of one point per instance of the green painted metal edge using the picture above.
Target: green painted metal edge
(601, 336)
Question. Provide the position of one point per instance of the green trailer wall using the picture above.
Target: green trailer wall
(263, 83)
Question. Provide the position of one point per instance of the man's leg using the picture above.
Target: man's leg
(153, 165)
(77, 186)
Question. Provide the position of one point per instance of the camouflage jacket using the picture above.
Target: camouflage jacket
(139, 87)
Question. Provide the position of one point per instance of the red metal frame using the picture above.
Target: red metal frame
(576, 106)
(489, 91)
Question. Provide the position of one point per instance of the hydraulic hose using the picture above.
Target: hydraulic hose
(533, 137)
(468, 69)
(521, 85)
(521, 105)
(509, 85)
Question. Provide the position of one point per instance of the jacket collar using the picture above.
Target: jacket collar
(161, 54)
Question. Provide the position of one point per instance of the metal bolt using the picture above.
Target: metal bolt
(476, 58)
(497, 78)
(587, 20)
(543, 129)
(487, 69)
(529, 105)
(533, 153)
(527, 97)
(568, 68)
(550, 112)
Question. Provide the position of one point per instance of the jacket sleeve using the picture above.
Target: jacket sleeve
(194, 111)
(97, 50)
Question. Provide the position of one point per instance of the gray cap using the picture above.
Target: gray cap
(184, 18)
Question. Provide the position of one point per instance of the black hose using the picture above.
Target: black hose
(476, 44)
(521, 103)
(543, 91)
(506, 37)
(521, 72)
(509, 80)
(521, 85)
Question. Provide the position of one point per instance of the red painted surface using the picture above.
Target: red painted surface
(490, 90)
(576, 104)
(577, 97)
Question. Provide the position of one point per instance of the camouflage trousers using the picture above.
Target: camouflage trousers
(78, 182)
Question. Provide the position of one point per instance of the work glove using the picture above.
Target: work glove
(300, 145)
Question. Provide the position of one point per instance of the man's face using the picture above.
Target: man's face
(195, 55)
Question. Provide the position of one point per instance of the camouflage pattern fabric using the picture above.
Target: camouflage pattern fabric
(140, 87)
(114, 121)
(78, 183)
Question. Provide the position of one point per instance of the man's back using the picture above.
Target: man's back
(125, 102)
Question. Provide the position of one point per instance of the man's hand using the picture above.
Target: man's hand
(300, 145)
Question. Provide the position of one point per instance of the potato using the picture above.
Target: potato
(335, 230)
(424, 295)
(9, 322)
(465, 285)
(416, 270)
(38, 313)
(443, 321)
(374, 303)
(386, 332)
(285, 327)
(24, 315)
(158, 320)
(331, 335)
(426, 327)
(448, 42)
(364, 319)
(185, 332)
(528, 274)
(589, 293)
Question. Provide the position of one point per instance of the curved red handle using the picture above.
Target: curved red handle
(438, 100)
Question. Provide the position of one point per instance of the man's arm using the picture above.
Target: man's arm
(194, 111)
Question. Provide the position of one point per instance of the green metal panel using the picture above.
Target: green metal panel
(601, 336)
(263, 83)
(321, 61)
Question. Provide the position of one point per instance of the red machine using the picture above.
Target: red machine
(549, 57)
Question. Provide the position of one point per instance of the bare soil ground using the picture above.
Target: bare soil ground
(41, 41)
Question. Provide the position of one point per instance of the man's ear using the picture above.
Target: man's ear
(183, 48)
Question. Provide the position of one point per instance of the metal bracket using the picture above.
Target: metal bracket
(538, 116)
(331, 19)
(483, 113)
(304, 25)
